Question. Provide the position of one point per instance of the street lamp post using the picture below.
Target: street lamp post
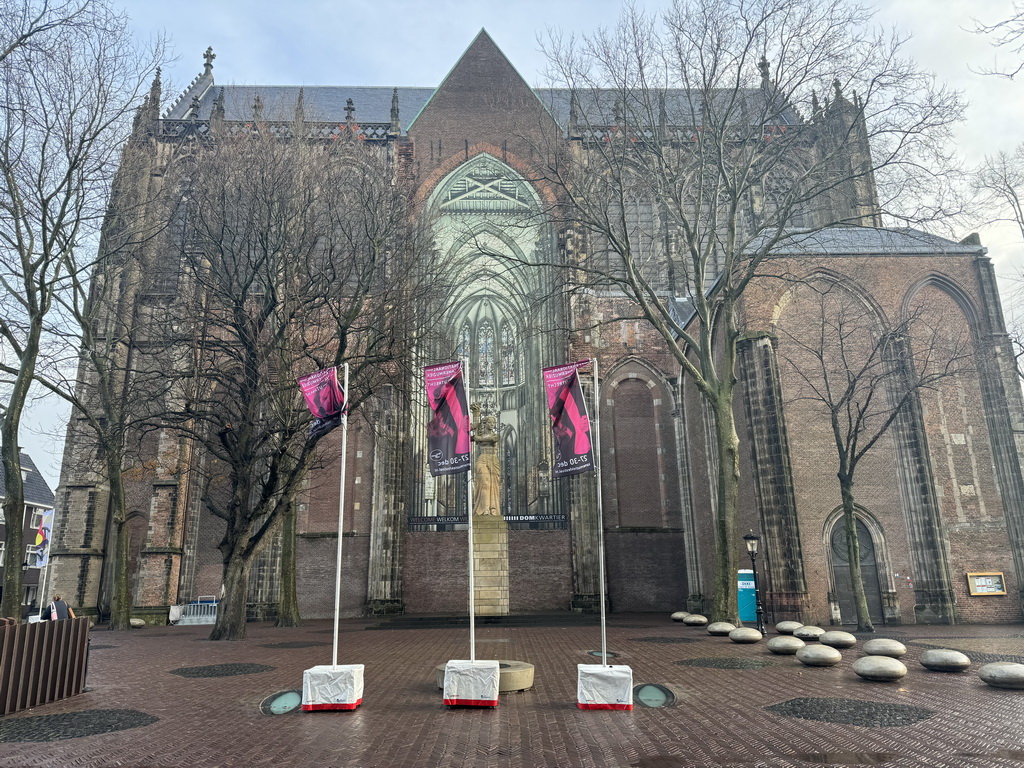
(752, 540)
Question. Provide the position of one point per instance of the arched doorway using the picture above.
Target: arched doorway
(839, 561)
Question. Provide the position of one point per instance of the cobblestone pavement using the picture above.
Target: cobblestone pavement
(727, 713)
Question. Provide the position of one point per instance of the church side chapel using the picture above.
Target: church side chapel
(492, 179)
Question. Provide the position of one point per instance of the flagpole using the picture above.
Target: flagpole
(469, 538)
(600, 515)
(341, 514)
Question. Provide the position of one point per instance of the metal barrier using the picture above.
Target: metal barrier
(198, 613)
(42, 662)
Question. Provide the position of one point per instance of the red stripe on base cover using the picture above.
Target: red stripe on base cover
(323, 707)
(471, 702)
(605, 706)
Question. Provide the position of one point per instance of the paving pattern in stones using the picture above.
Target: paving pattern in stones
(71, 725)
(727, 663)
(403, 723)
(870, 714)
(221, 670)
(664, 640)
(295, 644)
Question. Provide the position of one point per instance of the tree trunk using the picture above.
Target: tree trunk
(853, 552)
(288, 609)
(121, 600)
(725, 605)
(231, 609)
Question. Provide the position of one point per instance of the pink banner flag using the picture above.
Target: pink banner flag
(448, 430)
(570, 424)
(325, 398)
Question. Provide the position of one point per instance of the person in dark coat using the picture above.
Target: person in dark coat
(58, 609)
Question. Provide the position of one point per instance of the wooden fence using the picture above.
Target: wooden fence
(41, 662)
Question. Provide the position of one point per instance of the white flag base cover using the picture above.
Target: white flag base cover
(604, 687)
(471, 683)
(328, 687)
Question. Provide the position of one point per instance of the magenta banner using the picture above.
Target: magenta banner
(570, 425)
(325, 398)
(448, 430)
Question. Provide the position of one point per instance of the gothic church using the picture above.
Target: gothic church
(940, 497)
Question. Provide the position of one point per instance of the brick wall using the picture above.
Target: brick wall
(317, 569)
(645, 571)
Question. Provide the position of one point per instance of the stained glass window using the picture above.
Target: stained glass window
(465, 345)
(485, 340)
(508, 355)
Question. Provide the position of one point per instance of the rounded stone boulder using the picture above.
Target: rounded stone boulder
(720, 628)
(883, 646)
(1003, 674)
(838, 639)
(136, 623)
(745, 635)
(944, 660)
(819, 656)
(680, 615)
(808, 633)
(787, 627)
(785, 645)
(879, 669)
(695, 620)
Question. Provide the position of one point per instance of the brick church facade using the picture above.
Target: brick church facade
(941, 495)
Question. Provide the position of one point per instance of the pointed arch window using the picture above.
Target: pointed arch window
(465, 345)
(508, 355)
(486, 353)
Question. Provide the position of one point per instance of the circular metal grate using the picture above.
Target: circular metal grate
(73, 725)
(870, 714)
(727, 663)
(221, 670)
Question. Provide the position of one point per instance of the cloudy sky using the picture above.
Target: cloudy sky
(416, 42)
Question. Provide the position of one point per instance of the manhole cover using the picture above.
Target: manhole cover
(653, 695)
(73, 725)
(610, 654)
(870, 714)
(281, 703)
(727, 663)
(221, 670)
(664, 640)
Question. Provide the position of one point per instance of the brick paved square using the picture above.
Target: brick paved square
(721, 716)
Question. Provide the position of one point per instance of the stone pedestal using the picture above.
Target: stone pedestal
(490, 565)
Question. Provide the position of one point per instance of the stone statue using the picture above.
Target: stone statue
(486, 470)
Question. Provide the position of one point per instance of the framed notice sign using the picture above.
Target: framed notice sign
(986, 583)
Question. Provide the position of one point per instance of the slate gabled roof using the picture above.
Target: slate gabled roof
(326, 104)
(871, 241)
(37, 492)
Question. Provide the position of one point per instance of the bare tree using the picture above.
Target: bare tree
(862, 374)
(1007, 34)
(297, 255)
(69, 81)
(1000, 182)
(21, 23)
(699, 142)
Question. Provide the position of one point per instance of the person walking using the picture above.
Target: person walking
(59, 609)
